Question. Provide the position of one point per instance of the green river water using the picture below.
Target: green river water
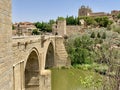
(75, 79)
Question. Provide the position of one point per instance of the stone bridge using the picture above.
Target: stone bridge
(25, 61)
(33, 56)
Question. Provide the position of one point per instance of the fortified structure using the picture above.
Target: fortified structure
(62, 29)
(25, 61)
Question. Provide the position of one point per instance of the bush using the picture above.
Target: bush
(117, 29)
(98, 35)
(104, 35)
(109, 27)
(102, 69)
(83, 66)
(35, 32)
(118, 16)
(93, 35)
(79, 50)
(98, 41)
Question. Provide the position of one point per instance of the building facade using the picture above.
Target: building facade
(23, 28)
(86, 11)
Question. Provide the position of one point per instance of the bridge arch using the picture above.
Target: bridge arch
(32, 71)
(50, 55)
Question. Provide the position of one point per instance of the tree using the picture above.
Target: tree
(44, 27)
(104, 35)
(51, 21)
(60, 18)
(98, 35)
(79, 50)
(93, 35)
(118, 16)
(70, 20)
(35, 32)
(88, 20)
(103, 21)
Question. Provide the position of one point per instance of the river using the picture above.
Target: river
(75, 79)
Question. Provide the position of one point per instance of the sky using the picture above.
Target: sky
(44, 10)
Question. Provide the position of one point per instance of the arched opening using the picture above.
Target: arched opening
(32, 72)
(49, 57)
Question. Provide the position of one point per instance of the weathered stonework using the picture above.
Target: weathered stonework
(62, 29)
(6, 71)
(25, 61)
(59, 28)
(73, 29)
(53, 51)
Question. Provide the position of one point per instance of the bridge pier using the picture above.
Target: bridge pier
(61, 56)
(45, 83)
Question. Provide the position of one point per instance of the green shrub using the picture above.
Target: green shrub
(35, 32)
(98, 41)
(116, 29)
(83, 66)
(102, 69)
(93, 35)
(98, 35)
(104, 35)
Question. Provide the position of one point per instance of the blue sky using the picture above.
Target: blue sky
(44, 10)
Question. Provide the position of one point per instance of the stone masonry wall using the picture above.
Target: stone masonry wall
(61, 55)
(62, 29)
(72, 29)
(5, 45)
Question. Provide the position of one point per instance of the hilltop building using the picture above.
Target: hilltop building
(86, 11)
(115, 12)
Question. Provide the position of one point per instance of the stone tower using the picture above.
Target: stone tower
(60, 27)
(5, 46)
(84, 11)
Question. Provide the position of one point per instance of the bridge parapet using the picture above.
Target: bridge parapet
(22, 40)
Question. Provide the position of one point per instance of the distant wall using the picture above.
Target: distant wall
(62, 29)
(73, 29)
